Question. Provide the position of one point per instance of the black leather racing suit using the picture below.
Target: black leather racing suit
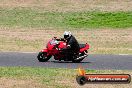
(74, 45)
(73, 48)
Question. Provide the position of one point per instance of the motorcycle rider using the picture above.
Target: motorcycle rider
(72, 44)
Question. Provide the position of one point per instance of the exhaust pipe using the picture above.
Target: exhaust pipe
(81, 57)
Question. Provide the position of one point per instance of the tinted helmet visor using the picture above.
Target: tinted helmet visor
(66, 36)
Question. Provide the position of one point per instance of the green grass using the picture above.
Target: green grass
(27, 17)
(46, 76)
(100, 19)
(50, 77)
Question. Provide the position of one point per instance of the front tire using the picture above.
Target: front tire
(42, 57)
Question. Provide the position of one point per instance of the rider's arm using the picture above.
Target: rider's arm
(60, 39)
(71, 42)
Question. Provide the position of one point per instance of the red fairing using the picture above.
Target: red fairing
(62, 45)
(85, 48)
(44, 50)
(49, 46)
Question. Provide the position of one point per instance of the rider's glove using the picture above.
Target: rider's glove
(68, 46)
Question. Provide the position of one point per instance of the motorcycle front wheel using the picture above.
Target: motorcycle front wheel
(42, 57)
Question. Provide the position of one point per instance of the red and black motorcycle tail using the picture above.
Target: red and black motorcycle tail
(86, 47)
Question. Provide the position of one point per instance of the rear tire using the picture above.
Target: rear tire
(42, 57)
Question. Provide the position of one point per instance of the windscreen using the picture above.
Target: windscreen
(54, 42)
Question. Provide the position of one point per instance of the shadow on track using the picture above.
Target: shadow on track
(67, 62)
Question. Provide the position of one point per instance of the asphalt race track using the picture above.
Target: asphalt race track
(121, 62)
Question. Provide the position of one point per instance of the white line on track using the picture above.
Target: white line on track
(123, 54)
(28, 52)
(18, 52)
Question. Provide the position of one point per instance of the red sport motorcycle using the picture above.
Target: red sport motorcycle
(54, 48)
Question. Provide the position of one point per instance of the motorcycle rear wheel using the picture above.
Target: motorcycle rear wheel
(42, 57)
